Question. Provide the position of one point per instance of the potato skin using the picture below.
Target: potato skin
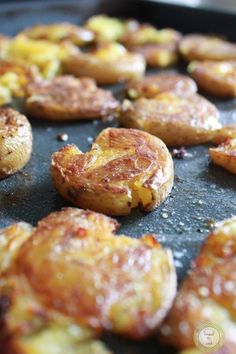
(152, 85)
(208, 293)
(225, 155)
(66, 98)
(15, 141)
(202, 47)
(108, 68)
(72, 271)
(216, 78)
(159, 47)
(176, 120)
(59, 32)
(225, 133)
(125, 168)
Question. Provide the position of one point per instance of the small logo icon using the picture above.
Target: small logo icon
(208, 337)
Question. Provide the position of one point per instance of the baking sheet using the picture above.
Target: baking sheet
(202, 192)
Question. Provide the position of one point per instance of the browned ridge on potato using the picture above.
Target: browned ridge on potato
(203, 47)
(177, 120)
(15, 141)
(152, 85)
(208, 293)
(67, 98)
(69, 279)
(225, 155)
(216, 78)
(125, 168)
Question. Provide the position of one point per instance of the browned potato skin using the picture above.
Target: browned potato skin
(66, 98)
(152, 85)
(206, 295)
(157, 55)
(225, 133)
(127, 67)
(176, 120)
(213, 82)
(225, 155)
(73, 265)
(125, 168)
(202, 47)
(158, 50)
(15, 141)
(58, 32)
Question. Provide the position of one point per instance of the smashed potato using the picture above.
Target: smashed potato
(225, 155)
(108, 64)
(225, 133)
(69, 279)
(125, 168)
(152, 85)
(67, 98)
(106, 29)
(15, 141)
(59, 32)
(217, 78)
(14, 78)
(159, 47)
(45, 55)
(202, 47)
(176, 120)
(208, 293)
(27, 326)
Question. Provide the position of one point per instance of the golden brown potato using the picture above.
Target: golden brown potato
(59, 32)
(108, 64)
(47, 56)
(225, 155)
(176, 120)
(14, 78)
(67, 98)
(72, 277)
(125, 168)
(15, 141)
(208, 293)
(225, 133)
(106, 29)
(202, 47)
(152, 85)
(159, 47)
(27, 326)
(217, 78)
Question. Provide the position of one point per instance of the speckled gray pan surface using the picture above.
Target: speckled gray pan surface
(202, 192)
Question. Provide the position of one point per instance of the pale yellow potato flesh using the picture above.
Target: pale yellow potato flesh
(47, 56)
(14, 78)
(105, 28)
(15, 141)
(125, 168)
(177, 120)
(225, 155)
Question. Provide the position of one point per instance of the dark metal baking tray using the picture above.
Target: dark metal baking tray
(202, 192)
